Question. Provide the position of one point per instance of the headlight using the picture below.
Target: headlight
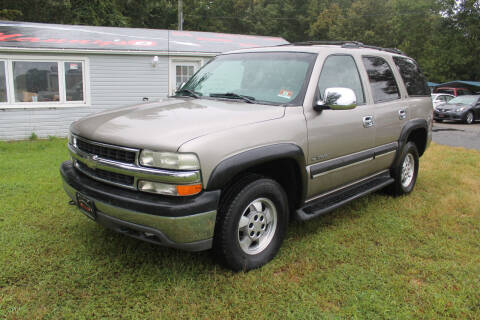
(72, 140)
(169, 189)
(169, 160)
(460, 109)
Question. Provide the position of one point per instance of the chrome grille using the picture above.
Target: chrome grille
(106, 152)
(119, 166)
(107, 176)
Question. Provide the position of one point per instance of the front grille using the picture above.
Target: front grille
(106, 175)
(106, 152)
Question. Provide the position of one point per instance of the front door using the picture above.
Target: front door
(340, 142)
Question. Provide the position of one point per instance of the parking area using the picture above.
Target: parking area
(457, 134)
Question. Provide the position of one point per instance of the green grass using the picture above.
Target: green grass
(379, 257)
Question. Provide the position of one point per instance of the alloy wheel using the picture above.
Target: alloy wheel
(257, 226)
(408, 170)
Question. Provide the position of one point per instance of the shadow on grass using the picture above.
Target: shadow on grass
(131, 255)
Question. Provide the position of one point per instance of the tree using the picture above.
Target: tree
(442, 35)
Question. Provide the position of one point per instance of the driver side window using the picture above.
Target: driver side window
(340, 71)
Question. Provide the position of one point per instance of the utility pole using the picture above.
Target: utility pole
(180, 15)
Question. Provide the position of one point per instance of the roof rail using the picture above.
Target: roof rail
(344, 44)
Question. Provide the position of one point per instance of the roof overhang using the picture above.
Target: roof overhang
(76, 39)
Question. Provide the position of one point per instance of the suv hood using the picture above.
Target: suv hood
(167, 124)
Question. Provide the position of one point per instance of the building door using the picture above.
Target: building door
(181, 71)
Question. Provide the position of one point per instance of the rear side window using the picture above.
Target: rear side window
(341, 71)
(447, 91)
(382, 80)
(412, 77)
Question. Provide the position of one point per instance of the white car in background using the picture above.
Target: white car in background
(441, 98)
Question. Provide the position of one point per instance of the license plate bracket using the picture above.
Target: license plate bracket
(86, 205)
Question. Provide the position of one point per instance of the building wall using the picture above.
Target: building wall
(115, 80)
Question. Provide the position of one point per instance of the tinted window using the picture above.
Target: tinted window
(341, 72)
(412, 76)
(382, 80)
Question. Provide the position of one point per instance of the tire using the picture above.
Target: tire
(438, 120)
(251, 223)
(405, 179)
(469, 118)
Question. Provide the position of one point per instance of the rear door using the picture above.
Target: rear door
(390, 108)
(400, 93)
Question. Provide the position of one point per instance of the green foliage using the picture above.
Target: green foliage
(443, 35)
(7, 14)
(33, 136)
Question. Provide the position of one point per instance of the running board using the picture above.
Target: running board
(338, 198)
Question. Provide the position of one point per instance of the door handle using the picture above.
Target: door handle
(368, 121)
(402, 114)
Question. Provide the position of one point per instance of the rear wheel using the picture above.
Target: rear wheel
(252, 223)
(405, 173)
(469, 118)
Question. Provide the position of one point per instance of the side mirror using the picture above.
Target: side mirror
(337, 99)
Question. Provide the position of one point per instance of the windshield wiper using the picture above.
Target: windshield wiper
(191, 93)
(232, 95)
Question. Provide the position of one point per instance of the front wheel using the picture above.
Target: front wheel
(405, 173)
(252, 223)
(469, 118)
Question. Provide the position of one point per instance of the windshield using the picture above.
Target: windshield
(463, 100)
(259, 77)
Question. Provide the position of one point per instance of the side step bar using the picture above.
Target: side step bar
(338, 198)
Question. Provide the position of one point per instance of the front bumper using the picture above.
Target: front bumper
(185, 223)
(452, 115)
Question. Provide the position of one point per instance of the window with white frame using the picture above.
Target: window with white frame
(183, 73)
(182, 70)
(40, 82)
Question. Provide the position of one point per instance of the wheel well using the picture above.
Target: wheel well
(419, 137)
(285, 171)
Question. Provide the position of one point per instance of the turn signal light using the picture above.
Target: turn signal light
(189, 190)
(169, 189)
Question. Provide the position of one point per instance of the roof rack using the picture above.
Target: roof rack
(344, 44)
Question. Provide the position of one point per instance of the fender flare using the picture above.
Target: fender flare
(410, 126)
(232, 166)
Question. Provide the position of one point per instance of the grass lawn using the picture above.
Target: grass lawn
(379, 257)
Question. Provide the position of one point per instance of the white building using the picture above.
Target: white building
(51, 75)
